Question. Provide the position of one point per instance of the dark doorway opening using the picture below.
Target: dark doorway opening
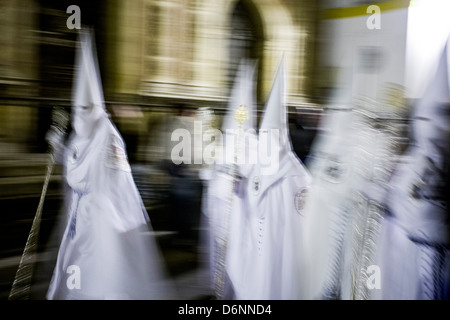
(246, 41)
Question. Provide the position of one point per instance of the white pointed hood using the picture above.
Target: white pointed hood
(241, 106)
(87, 96)
(335, 123)
(267, 232)
(276, 158)
(276, 115)
(431, 114)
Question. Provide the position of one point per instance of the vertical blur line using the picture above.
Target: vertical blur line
(22, 282)
(428, 30)
(21, 287)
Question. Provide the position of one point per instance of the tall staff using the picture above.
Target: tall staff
(21, 286)
(241, 115)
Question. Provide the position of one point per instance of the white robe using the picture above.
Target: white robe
(217, 198)
(108, 236)
(414, 248)
(266, 255)
(350, 167)
(329, 208)
(224, 199)
(414, 251)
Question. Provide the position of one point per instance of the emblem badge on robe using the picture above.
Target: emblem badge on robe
(300, 199)
(335, 171)
(116, 156)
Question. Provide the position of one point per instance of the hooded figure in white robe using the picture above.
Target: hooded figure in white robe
(223, 194)
(107, 249)
(268, 232)
(329, 208)
(414, 248)
(350, 165)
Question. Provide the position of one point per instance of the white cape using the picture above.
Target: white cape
(107, 250)
(414, 249)
(266, 258)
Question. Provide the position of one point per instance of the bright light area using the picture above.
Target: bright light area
(428, 30)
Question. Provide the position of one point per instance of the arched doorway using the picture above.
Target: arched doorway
(246, 40)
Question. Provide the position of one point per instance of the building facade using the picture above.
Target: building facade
(152, 54)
